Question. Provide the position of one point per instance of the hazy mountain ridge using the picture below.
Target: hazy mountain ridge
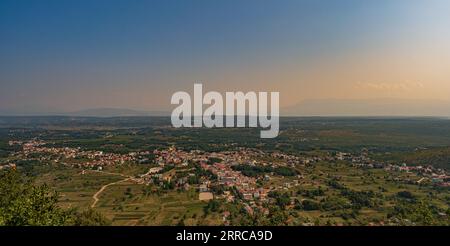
(112, 112)
(309, 107)
(369, 107)
(93, 112)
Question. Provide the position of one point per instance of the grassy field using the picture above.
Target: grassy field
(126, 203)
(76, 189)
(415, 141)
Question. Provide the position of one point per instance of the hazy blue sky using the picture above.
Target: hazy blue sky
(66, 55)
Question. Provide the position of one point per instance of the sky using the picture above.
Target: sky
(65, 55)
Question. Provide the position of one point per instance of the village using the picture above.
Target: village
(214, 175)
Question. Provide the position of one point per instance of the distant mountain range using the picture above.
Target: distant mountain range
(311, 107)
(369, 107)
(94, 112)
(115, 112)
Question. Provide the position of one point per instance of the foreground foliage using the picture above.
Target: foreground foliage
(22, 204)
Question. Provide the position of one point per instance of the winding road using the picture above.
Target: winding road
(95, 196)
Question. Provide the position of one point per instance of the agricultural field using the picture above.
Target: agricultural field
(126, 203)
(137, 171)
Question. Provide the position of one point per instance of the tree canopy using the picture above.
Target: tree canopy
(22, 203)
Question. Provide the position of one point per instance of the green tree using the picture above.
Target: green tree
(420, 212)
(88, 217)
(22, 204)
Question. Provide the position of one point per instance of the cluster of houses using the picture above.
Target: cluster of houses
(220, 164)
(172, 156)
(245, 186)
(436, 176)
(68, 156)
